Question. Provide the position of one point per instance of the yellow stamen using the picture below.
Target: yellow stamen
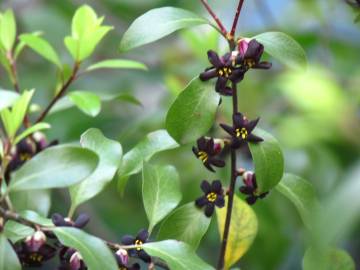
(243, 133)
(25, 156)
(225, 72)
(203, 156)
(138, 244)
(250, 63)
(211, 197)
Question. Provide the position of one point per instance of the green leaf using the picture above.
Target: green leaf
(162, 22)
(161, 192)
(153, 143)
(110, 153)
(268, 161)
(56, 167)
(177, 255)
(117, 63)
(284, 48)
(193, 112)
(21, 45)
(36, 200)
(93, 250)
(7, 30)
(243, 230)
(87, 102)
(7, 98)
(302, 194)
(36, 218)
(8, 257)
(42, 47)
(87, 32)
(187, 224)
(16, 231)
(328, 259)
(31, 130)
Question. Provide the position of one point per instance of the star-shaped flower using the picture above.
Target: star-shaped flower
(213, 196)
(207, 151)
(250, 53)
(138, 241)
(250, 188)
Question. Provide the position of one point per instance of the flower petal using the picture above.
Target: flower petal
(217, 162)
(228, 129)
(144, 256)
(246, 190)
(251, 200)
(238, 119)
(143, 235)
(205, 186)
(254, 51)
(208, 166)
(237, 75)
(209, 209)
(221, 84)
(201, 143)
(216, 186)
(128, 240)
(82, 220)
(254, 138)
(263, 65)
(200, 202)
(251, 125)
(220, 202)
(214, 59)
(208, 75)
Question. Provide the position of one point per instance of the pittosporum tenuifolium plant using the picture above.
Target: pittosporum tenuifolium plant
(32, 165)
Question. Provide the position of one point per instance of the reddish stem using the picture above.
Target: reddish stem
(236, 19)
(217, 20)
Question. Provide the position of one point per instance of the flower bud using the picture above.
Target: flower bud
(35, 241)
(122, 256)
(76, 261)
(243, 45)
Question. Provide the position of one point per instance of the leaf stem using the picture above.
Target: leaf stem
(60, 93)
(215, 17)
(236, 19)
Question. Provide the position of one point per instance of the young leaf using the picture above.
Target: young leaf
(193, 112)
(56, 167)
(161, 192)
(328, 259)
(8, 257)
(284, 48)
(93, 250)
(31, 130)
(268, 161)
(36, 218)
(177, 255)
(21, 45)
(110, 153)
(7, 98)
(117, 63)
(302, 194)
(243, 229)
(153, 143)
(187, 224)
(16, 231)
(87, 102)
(162, 22)
(7, 30)
(42, 47)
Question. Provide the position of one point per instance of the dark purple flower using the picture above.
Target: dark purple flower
(242, 130)
(251, 53)
(122, 259)
(207, 151)
(81, 221)
(250, 188)
(138, 241)
(70, 259)
(224, 69)
(213, 196)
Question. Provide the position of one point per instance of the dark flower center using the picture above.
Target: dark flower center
(35, 257)
(243, 133)
(211, 197)
(203, 156)
(225, 72)
(249, 62)
(138, 244)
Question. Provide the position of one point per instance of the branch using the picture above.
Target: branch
(236, 19)
(217, 20)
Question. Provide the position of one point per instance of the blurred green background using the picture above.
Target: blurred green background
(315, 115)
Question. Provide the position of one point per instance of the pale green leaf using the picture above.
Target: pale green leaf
(7, 30)
(31, 130)
(87, 102)
(16, 231)
(8, 257)
(117, 63)
(36, 218)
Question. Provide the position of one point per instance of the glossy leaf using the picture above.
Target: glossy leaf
(328, 259)
(284, 48)
(93, 250)
(7, 98)
(302, 194)
(110, 153)
(153, 143)
(193, 112)
(31, 130)
(16, 231)
(56, 167)
(118, 63)
(161, 192)
(268, 161)
(162, 22)
(42, 47)
(36, 218)
(7, 30)
(87, 102)
(36, 200)
(187, 224)
(177, 255)
(243, 230)
(8, 257)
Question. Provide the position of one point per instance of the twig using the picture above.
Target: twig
(236, 19)
(217, 20)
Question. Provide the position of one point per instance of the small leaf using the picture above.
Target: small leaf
(8, 30)
(328, 259)
(161, 192)
(110, 153)
(8, 257)
(16, 231)
(162, 22)
(7, 98)
(187, 224)
(268, 161)
(21, 45)
(36, 218)
(177, 255)
(302, 194)
(243, 229)
(153, 143)
(126, 98)
(284, 48)
(42, 47)
(31, 130)
(118, 63)
(87, 102)
(56, 167)
(193, 112)
(93, 250)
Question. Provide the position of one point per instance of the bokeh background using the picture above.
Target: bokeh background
(315, 115)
